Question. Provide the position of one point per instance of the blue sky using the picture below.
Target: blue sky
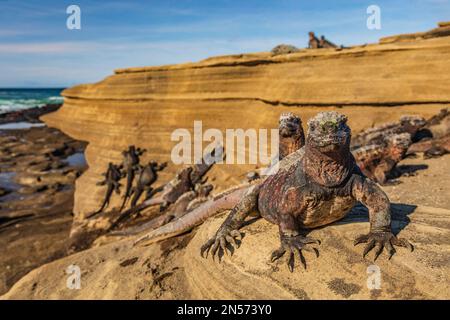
(37, 50)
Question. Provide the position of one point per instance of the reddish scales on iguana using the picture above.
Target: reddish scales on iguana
(291, 138)
(377, 135)
(379, 161)
(291, 135)
(317, 185)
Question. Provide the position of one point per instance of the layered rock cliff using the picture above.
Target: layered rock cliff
(143, 106)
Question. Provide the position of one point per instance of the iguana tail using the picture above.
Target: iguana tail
(126, 196)
(223, 201)
(105, 202)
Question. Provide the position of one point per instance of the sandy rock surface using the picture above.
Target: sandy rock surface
(173, 269)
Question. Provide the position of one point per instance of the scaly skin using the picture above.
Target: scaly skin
(186, 203)
(379, 134)
(112, 178)
(319, 187)
(131, 166)
(291, 139)
(291, 135)
(193, 218)
(379, 161)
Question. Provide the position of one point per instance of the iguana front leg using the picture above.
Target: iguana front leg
(380, 235)
(228, 233)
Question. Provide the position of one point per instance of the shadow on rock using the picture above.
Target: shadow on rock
(399, 215)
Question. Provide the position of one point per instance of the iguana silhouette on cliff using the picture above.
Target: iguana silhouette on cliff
(112, 178)
(147, 176)
(130, 167)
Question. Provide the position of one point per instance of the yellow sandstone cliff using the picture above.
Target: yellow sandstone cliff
(143, 106)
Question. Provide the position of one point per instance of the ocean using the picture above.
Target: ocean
(19, 99)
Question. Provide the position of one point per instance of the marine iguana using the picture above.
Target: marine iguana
(184, 181)
(130, 167)
(186, 203)
(431, 148)
(324, 43)
(315, 186)
(313, 42)
(112, 178)
(379, 161)
(377, 135)
(147, 176)
(291, 135)
(291, 138)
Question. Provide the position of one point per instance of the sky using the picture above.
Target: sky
(38, 50)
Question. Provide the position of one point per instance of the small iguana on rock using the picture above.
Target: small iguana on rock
(315, 186)
(313, 42)
(291, 135)
(112, 178)
(377, 135)
(324, 43)
(147, 176)
(184, 181)
(379, 161)
(130, 167)
(431, 148)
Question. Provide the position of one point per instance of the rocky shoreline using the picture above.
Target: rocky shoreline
(29, 115)
(38, 168)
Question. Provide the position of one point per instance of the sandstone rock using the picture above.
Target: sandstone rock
(443, 30)
(284, 49)
(246, 91)
(120, 271)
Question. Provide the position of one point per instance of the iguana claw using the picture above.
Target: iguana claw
(295, 244)
(225, 239)
(381, 240)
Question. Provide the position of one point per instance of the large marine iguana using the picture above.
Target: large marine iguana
(315, 186)
(111, 180)
(130, 167)
(291, 139)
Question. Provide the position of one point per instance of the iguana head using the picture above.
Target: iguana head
(328, 131)
(412, 123)
(290, 125)
(152, 163)
(398, 144)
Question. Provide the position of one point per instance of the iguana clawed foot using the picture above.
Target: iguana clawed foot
(295, 244)
(381, 240)
(225, 239)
